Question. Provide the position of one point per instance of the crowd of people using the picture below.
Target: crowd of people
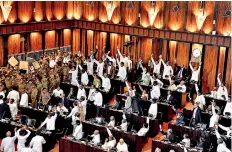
(102, 78)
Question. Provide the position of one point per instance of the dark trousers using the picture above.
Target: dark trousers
(97, 110)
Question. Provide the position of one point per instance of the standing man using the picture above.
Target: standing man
(97, 101)
(22, 135)
(8, 143)
(37, 143)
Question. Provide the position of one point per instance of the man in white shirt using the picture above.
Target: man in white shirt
(81, 91)
(130, 65)
(157, 65)
(97, 101)
(122, 146)
(153, 109)
(13, 108)
(90, 64)
(109, 144)
(145, 80)
(143, 131)
(106, 85)
(154, 78)
(122, 73)
(201, 99)
(61, 108)
(66, 58)
(7, 144)
(100, 66)
(74, 75)
(112, 122)
(213, 93)
(123, 58)
(78, 133)
(123, 125)
(168, 71)
(128, 101)
(195, 72)
(186, 141)
(214, 118)
(221, 144)
(91, 93)
(24, 99)
(84, 76)
(155, 91)
(222, 92)
(227, 129)
(96, 137)
(22, 138)
(27, 148)
(13, 94)
(50, 121)
(58, 92)
(228, 107)
(52, 63)
(37, 143)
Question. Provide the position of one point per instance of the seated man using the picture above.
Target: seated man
(169, 135)
(112, 122)
(180, 118)
(143, 131)
(123, 125)
(122, 146)
(186, 141)
(95, 137)
(181, 87)
(109, 143)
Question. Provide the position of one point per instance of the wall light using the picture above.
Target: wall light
(200, 18)
(152, 13)
(110, 10)
(6, 8)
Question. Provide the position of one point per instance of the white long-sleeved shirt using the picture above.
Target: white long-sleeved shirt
(111, 123)
(74, 110)
(143, 130)
(13, 94)
(123, 59)
(66, 59)
(221, 147)
(50, 123)
(201, 100)
(37, 143)
(90, 67)
(195, 73)
(100, 67)
(105, 83)
(155, 92)
(58, 93)
(227, 129)
(186, 142)
(74, 74)
(61, 109)
(168, 71)
(80, 93)
(121, 71)
(130, 65)
(98, 99)
(84, 78)
(228, 108)
(24, 100)
(124, 126)
(96, 139)
(158, 81)
(8, 144)
(78, 132)
(22, 139)
(122, 147)
(214, 118)
(153, 110)
(91, 94)
(52, 63)
(222, 91)
(156, 68)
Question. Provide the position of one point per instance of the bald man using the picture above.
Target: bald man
(8, 143)
(122, 146)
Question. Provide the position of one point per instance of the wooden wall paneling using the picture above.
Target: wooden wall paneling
(193, 10)
(83, 41)
(134, 55)
(126, 38)
(49, 10)
(76, 41)
(35, 41)
(146, 49)
(146, 8)
(1, 51)
(209, 9)
(1, 18)
(67, 37)
(14, 44)
(59, 9)
(183, 52)
(228, 72)
(221, 61)
(50, 39)
(130, 15)
(100, 40)
(156, 48)
(90, 42)
(164, 49)
(116, 17)
(102, 11)
(13, 13)
(159, 20)
(223, 23)
(175, 19)
(39, 11)
(78, 9)
(25, 11)
(115, 41)
(90, 11)
(172, 52)
(209, 69)
(70, 9)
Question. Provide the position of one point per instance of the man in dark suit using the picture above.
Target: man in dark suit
(169, 135)
(110, 69)
(180, 71)
(4, 109)
(196, 117)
